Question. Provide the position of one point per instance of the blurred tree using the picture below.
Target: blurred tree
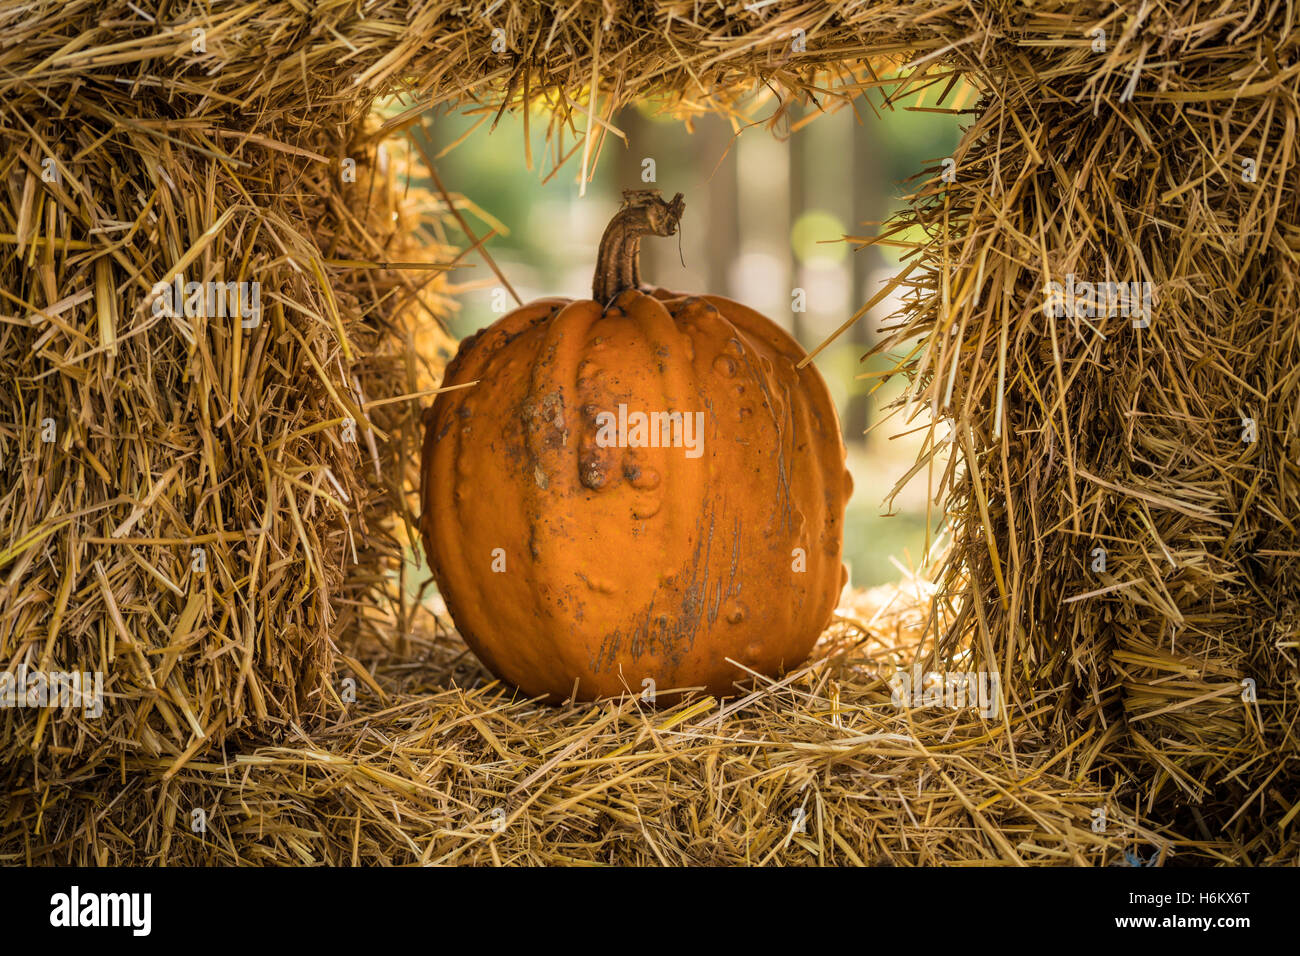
(797, 203)
(867, 200)
(722, 224)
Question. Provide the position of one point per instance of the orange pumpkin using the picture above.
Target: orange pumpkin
(640, 485)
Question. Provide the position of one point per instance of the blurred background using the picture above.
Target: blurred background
(767, 212)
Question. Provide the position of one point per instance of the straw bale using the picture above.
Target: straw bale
(447, 767)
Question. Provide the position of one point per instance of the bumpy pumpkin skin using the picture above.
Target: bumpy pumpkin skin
(629, 563)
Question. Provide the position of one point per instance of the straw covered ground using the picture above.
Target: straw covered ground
(214, 513)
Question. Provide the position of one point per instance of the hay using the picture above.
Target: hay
(205, 525)
(1084, 432)
(441, 773)
(184, 151)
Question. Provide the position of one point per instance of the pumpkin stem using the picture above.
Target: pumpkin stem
(643, 213)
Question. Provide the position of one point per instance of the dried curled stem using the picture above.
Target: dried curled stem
(643, 213)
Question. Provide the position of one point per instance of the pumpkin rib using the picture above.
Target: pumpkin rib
(450, 532)
(550, 397)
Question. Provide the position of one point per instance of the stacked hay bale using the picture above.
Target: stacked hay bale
(1125, 522)
(177, 147)
(443, 773)
(196, 504)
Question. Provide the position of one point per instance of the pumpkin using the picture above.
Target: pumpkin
(641, 490)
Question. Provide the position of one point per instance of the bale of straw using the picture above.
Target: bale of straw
(198, 510)
(446, 768)
(1167, 450)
